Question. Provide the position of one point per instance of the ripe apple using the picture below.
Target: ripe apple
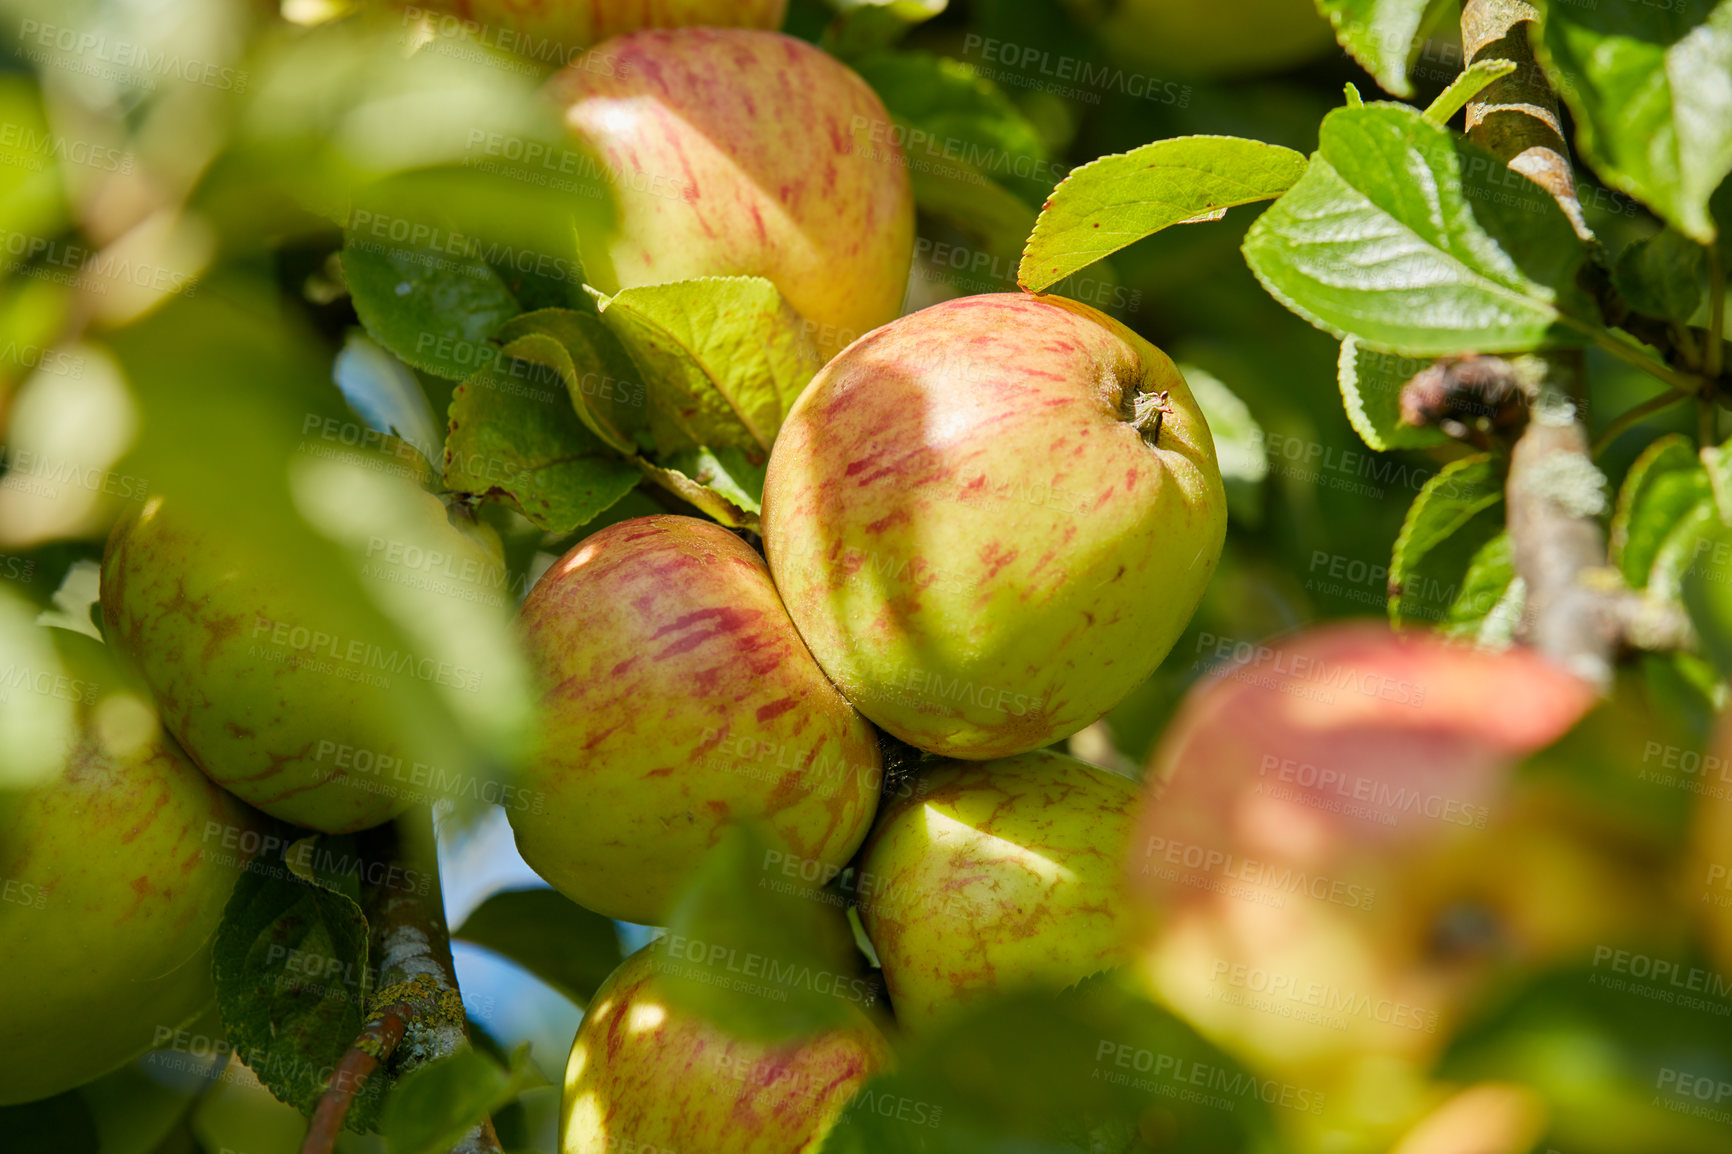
(677, 699)
(997, 876)
(551, 30)
(736, 152)
(991, 520)
(1334, 858)
(115, 876)
(645, 1075)
(289, 701)
(1198, 38)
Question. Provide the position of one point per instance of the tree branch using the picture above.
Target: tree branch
(1555, 494)
(421, 1011)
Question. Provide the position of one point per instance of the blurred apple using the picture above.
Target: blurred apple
(677, 700)
(1333, 858)
(646, 1076)
(552, 30)
(992, 519)
(114, 876)
(736, 152)
(308, 706)
(1198, 38)
(994, 877)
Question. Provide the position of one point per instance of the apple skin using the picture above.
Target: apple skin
(1333, 860)
(116, 876)
(1202, 39)
(678, 698)
(196, 611)
(996, 876)
(738, 152)
(981, 550)
(578, 24)
(645, 1075)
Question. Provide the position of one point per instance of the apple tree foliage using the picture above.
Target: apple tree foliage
(371, 264)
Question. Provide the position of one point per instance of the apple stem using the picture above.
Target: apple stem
(1147, 412)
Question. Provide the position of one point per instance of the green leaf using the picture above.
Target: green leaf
(1412, 239)
(1666, 484)
(1093, 1064)
(434, 312)
(431, 1108)
(385, 394)
(727, 472)
(568, 947)
(1116, 201)
(292, 978)
(713, 503)
(1240, 446)
(1465, 87)
(1706, 591)
(1664, 275)
(761, 955)
(1447, 535)
(1380, 34)
(514, 435)
(604, 385)
(1371, 384)
(722, 358)
(1647, 84)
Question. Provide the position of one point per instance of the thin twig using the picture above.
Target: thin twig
(1555, 495)
(1631, 416)
(424, 1018)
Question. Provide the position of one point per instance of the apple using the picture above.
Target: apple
(1200, 39)
(289, 701)
(115, 874)
(991, 519)
(997, 876)
(1333, 858)
(647, 1076)
(677, 699)
(736, 152)
(550, 30)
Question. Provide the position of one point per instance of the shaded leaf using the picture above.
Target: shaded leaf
(568, 947)
(1449, 530)
(1371, 384)
(431, 1108)
(518, 438)
(761, 955)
